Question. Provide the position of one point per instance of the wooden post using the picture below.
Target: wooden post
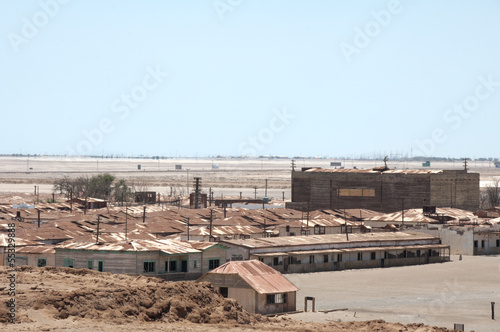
(144, 215)
(188, 228)
(38, 218)
(98, 221)
(493, 310)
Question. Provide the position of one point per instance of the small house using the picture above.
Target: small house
(256, 286)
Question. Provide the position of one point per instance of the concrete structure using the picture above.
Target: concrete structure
(383, 189)
(256, 286)
(467, 240)
(337, 251)
(167, 259)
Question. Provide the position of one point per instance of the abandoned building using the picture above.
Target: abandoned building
(314, 253)
(167, 259)
(146, 197)
(383, 189)
(467, 240)
(256, 286)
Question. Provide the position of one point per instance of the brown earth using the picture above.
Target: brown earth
(57, 299)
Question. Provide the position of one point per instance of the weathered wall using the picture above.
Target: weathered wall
(454, 188)
(461, 241)
(265, 309)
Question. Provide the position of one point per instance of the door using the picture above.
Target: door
(184, 266)
(100, 266)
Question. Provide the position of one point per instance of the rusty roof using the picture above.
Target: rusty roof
(261, 277)
(330, 239)
(4, 241)
(417, 215)
(373, 171)
(225, 230)
(45, 249)
(169, 247)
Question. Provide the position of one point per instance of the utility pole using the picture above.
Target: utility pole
(255, 189)
(402, 211)
(126, 222)
(98, 222)
(211, 221)
(144, 215)
(265, 195)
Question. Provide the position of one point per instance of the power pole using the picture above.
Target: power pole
(98, 222)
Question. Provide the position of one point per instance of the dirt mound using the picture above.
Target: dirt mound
(120, 297)
(86, 300)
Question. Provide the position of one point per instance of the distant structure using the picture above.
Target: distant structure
(197, 200)
(147, 197)
(383, 189)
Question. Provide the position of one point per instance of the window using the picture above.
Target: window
(173, 266)
(90, 264)
(418, 253)
(498, 243)
(195, 264)
(276, 298)
(100, 266)
(305, 232)
(339, 257)
(287, 229)
(223, 291)
(149, 267)
(475, 244)
(373, 256)
(261, 259)
(482, 243)
(42, 262)
(213, 263)
(325, 258)
(276, 261)
(68, 262)
(311, 259)
(319, 229)
(360, 256)
(356, 192)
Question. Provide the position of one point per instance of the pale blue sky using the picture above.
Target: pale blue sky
(258, 77)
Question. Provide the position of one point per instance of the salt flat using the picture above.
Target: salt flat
(460, 291)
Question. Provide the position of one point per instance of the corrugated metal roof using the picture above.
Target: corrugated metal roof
(45, 249)
(389, 171)
(166, 246)
(290, 241)
(261, 277)
(417, 215)
(4, 241)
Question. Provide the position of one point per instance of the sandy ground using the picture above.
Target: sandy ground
(435, 294)
(63, 299)
(232, 176)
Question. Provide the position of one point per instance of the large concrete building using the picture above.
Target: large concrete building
(383, 189)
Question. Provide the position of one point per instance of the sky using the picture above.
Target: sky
(239, 77)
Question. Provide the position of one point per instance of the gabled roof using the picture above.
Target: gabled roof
(261, 277)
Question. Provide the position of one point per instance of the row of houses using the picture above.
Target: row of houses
(180, 260)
